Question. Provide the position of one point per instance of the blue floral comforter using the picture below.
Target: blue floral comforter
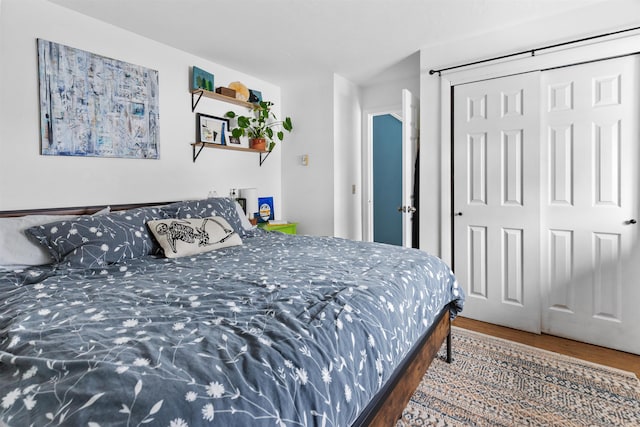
(283, 330)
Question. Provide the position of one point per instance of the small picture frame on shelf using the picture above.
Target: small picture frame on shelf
(211, 129)
(265, 205)
(241, 142)
(255, 96)
(201, 79)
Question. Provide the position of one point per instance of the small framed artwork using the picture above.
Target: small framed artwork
(265, 205)
(201, 79)
(210, 129)
(241, 142)
(255, 96)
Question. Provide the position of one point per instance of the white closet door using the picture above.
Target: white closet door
(590, 203)
(496, 199)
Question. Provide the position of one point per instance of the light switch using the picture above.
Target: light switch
(304, 160)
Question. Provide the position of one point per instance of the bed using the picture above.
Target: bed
(181, 314)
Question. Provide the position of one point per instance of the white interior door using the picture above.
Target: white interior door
(496, 199)
(410, 132)
(590, 202)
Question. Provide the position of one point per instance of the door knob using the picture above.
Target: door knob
(409, 209)
(457, 214)
(631, 221)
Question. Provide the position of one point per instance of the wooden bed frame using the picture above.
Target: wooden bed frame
(386, 408)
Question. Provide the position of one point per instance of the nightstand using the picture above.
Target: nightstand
(288, 228)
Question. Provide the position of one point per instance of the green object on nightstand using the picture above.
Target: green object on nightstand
(289, 228)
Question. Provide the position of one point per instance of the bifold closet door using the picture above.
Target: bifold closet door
(590, 160)
(496, 197)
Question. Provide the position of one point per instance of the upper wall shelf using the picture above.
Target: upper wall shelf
(197, 94)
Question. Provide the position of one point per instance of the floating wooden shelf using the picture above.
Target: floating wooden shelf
(227, 147)
(196, 94)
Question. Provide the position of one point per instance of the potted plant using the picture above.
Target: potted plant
(260, 127)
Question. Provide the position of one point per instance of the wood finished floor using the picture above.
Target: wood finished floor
(604, 356)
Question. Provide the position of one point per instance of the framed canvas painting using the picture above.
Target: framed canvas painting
(94, 106)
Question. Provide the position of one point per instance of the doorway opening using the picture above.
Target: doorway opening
(405, 209)
(387, 179)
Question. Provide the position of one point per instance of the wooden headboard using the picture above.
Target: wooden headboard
(78, 210)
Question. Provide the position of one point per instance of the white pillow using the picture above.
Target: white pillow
(180, 237)
(16, 248)
(244, 221)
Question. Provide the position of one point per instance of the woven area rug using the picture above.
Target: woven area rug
(494, 382)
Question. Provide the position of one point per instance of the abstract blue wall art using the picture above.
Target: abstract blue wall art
(94, 106)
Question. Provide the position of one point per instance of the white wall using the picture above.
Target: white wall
(29, 180)
(347, 114)
(326, 114)
(308, 190)
(327, 111)
(389, 94)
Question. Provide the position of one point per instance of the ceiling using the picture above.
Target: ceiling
(362, 40)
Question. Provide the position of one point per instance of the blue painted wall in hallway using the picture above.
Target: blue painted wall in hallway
(387, 179)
